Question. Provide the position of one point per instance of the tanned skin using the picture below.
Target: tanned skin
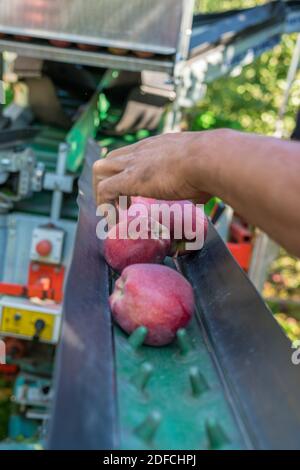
(258, 176)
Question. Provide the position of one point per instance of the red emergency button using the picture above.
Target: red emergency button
(44, 247)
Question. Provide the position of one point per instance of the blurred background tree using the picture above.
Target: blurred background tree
(250, 101)
(208, 6)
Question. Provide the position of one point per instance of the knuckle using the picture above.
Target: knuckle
(113, 154)
(97, 166)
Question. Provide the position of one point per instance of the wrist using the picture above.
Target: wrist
(214, 154)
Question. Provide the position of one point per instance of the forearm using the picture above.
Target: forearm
(258, 176)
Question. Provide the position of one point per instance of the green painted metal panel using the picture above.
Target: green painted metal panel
(85, 127)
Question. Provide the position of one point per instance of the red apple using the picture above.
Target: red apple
(183, 221)
(117, 51)
(143, 54)
(147, 201)
(139, 207)
(153, 296)
(120, 251)
(59, 43)
(20, 37)
(88, 47)
(194, 227)
(138, 203)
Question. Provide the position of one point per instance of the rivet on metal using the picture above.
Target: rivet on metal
(198, 382)
(215, 435)
(183, 341)
(138, 336)
(148, 428)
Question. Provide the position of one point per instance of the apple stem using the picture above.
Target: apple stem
(175, 260)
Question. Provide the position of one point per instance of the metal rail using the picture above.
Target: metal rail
(84, 408)
(95, 59)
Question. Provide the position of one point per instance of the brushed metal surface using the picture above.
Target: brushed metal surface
(95, 59)
(136, 25)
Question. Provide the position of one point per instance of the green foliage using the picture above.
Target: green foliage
(207, 6)
(290, 326)
(283, 288)
(251, 100)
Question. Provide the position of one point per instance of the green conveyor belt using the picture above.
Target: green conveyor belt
(172, 397)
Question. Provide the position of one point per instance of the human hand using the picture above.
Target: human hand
(169, 167)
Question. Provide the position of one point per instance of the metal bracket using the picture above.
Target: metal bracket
(55, 182)
(23, 164)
